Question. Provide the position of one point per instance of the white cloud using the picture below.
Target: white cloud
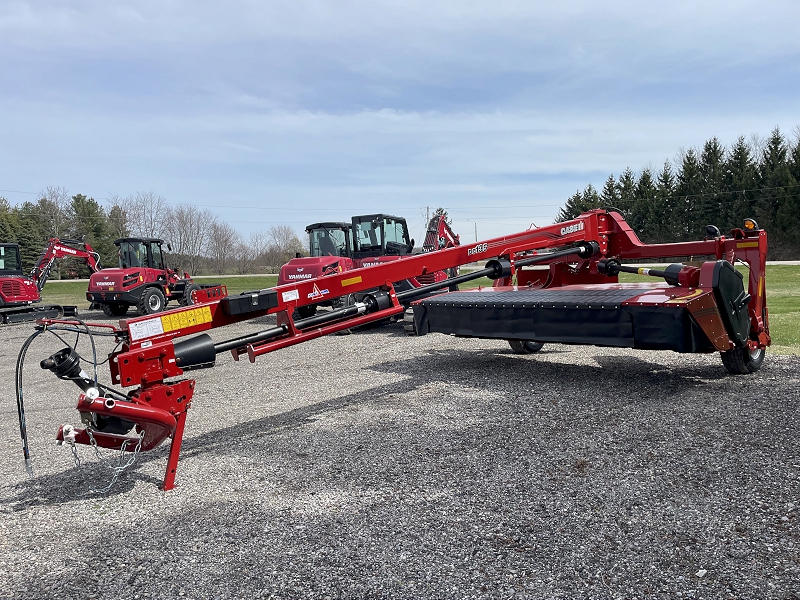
(381, 105)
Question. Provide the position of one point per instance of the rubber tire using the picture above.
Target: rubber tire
(152, 301)
(740, 361)
(408, 322)
(114, 309)
(525, 346)
(186, 299)
(304, 312)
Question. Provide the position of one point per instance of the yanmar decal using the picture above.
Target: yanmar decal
(300, 276)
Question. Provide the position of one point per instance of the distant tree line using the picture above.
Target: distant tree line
(709, 186)
(200, 242)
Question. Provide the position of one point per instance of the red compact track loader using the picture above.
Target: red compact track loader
(568, 291)
(366, 241)
(20, 294)
(142, 279)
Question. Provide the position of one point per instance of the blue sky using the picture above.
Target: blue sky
(291, 112)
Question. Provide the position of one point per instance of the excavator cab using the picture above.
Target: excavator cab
(10, 264)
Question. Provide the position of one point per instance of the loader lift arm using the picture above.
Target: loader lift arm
(154, 353)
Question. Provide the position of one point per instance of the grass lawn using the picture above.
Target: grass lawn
(783, 298)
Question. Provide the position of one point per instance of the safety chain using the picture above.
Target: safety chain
(122, 464)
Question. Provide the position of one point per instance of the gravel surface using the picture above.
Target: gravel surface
(380, 465)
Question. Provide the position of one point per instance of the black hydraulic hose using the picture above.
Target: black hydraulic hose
(23, 428)
(493, 269)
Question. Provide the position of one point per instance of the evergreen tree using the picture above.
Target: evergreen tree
(627, 201)
(578, 203)
(32, 235)
(645, 207)
(609, 197)
(774, 204)
(9, 224)
(440, 212)
(89, 223)
(740, 184)
(688, 189)
(710, 208)
(662, 216)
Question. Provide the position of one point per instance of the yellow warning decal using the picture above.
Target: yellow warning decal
(351, 281)
(747, 245)
(186, 318)
(686, 298)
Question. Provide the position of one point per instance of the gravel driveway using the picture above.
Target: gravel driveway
(379, 465)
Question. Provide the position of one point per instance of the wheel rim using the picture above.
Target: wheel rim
(154, 303)
(755, 355)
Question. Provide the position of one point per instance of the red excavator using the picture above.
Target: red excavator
(367, 241)
(20, 294)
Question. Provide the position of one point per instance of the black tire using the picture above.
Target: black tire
(152, 301)
(114, 309)
(186, 299)
(741, 361)
(408, 322)
(525, 346)
(304, 312)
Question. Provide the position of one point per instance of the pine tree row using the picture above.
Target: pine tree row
(713, 186)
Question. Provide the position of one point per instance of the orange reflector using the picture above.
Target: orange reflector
(750, 224)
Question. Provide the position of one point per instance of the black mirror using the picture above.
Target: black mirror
(412, 242)
(713, 231)
(169, 247)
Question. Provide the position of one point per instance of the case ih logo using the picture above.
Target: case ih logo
(478, 249)
(300, 276)
(572, 228)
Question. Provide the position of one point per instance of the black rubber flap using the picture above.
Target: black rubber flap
(568, 316)
(728, 285)
(248, 302)
(595, 317)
